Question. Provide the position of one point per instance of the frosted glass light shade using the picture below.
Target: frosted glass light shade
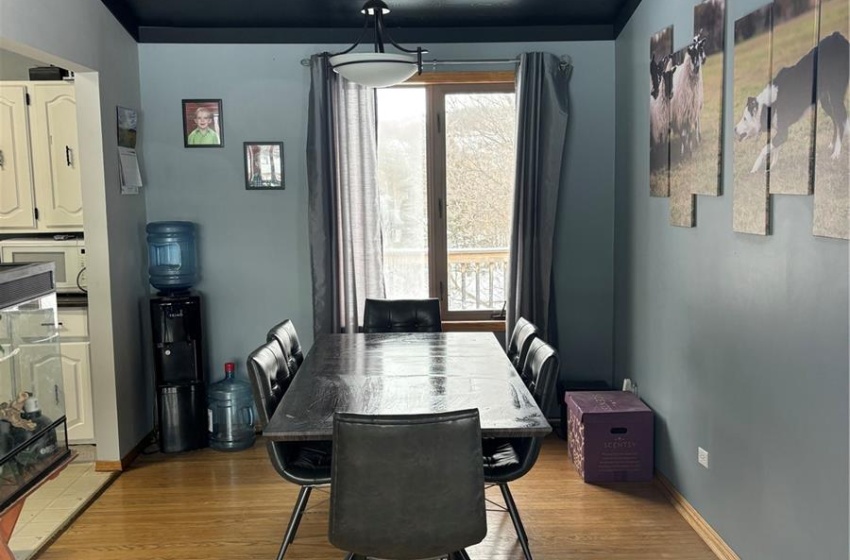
(374, 69)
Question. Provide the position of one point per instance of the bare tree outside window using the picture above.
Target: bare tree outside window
(464, 262)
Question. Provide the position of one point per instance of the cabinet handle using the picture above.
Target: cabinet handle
(2, 161)
(51, 324)
(68, 155)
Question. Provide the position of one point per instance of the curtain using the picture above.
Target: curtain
(542, 114)
(346, 246)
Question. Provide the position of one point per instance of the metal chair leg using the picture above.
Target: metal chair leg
(297, 512)
(514, 513)
(349, 556)
(459, 555)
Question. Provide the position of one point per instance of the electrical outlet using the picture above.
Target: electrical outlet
(702, 457)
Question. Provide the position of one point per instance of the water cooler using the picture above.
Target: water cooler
(177, 337)
(179, 372)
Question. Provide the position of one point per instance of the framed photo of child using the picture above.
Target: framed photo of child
(203, 126)
(264, 166)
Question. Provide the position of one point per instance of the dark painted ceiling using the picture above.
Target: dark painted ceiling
(339, 21)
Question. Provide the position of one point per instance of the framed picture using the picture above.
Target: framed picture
(203, 126)
(263, 165)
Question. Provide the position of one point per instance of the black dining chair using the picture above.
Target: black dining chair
(522, 335)
(286, 335)
(508, 459)
(304, 463)
(407, 487)
(402, 315)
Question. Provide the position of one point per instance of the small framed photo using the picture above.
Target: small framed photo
(263, 165)
(203, 126)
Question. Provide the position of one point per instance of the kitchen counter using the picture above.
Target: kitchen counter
(72, 300)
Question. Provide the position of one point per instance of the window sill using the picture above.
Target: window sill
(474, 326)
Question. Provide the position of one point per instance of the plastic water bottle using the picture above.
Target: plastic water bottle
(230, 411)
(171, 256)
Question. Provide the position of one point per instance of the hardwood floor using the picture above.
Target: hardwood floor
(209, 505)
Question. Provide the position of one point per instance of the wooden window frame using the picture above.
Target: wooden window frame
(437, 86)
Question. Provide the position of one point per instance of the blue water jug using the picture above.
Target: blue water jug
(230, 411)
(171, 256)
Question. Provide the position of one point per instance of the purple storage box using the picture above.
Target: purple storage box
(610, 436)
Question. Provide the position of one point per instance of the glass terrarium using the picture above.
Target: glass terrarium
(33, 434)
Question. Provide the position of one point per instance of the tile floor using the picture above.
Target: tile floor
(56, 504)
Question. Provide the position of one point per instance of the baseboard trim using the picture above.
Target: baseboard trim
(127, 460)
(717, 545)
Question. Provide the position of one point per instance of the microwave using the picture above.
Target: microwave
(67, 255)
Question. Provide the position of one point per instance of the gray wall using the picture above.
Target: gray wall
(14, 66)
(739, 343)
(82, 36)
(254, 250)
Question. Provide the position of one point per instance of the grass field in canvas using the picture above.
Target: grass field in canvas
(793, 164)
(832, 177)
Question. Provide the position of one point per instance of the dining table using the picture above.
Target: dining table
(406, 373)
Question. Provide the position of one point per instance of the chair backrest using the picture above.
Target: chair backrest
(402, 315)
(407, 487)
(540, 372)
(524, 332)
(270, 377)
(286, 335)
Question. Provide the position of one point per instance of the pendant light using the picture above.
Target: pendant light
(379, 68)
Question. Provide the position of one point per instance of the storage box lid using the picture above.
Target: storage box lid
(597, 406)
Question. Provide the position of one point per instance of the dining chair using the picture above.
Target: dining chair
(306, 464)
(287, 337)
(407, 486)
(522, 335)
(508, 459)
(402, 315)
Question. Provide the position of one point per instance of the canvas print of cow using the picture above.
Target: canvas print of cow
(660, 93)
(832, 143)
(750, 199)
(696, 111)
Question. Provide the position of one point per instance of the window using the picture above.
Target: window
(445, 174)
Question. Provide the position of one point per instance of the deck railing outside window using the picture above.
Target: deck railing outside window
(476, 276)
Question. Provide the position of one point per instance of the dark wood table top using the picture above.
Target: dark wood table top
(406, 373)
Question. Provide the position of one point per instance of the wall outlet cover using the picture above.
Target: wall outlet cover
(702, 457)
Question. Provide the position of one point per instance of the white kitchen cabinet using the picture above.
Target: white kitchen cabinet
(75, 357)
(40, 190)
(76, 373)
(17, 209)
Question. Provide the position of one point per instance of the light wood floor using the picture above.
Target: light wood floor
(209, 505)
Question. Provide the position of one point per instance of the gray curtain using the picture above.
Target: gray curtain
(542, 113)
(346, 247)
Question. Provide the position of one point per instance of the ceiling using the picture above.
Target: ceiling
(339, 21)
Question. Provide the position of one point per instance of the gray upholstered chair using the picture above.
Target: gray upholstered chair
(285, 334)
(524, 332)
(508, 459)
(402, 315)
(407, 487)
(304, 463)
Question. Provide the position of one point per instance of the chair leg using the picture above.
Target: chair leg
(514, 513)
(459, 555)
(297, 512)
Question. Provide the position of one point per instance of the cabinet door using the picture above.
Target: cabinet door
(16, 198)
(55, 157)
(76, 374)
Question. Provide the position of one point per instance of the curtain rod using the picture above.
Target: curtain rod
(472, 61)
(565, 61)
